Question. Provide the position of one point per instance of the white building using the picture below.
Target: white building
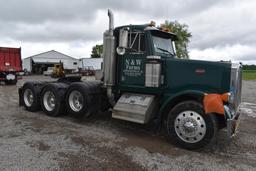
(90, 63)
(40, 62)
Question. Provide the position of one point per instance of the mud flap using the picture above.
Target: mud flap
(21, 103)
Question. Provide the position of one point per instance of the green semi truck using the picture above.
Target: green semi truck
(143, 82)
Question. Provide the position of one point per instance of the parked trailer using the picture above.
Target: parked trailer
(143, 81)
(10, 64)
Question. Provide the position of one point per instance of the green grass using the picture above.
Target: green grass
(249, 74)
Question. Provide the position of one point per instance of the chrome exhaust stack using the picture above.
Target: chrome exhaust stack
(109, 58)
(111, 21)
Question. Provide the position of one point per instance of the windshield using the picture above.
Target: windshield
(163, 45)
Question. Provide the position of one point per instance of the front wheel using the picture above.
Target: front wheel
(189, 127)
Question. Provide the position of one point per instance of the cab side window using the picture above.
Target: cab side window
(136, 41)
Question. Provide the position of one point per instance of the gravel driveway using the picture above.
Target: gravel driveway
(34, 141)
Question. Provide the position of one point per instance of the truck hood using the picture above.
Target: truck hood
(206, 76)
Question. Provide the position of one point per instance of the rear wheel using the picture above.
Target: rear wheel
(52, 99)
(77, 99)
(84, 98)
(29, 97)
(189, 127)
(14, 82)
(11, 82)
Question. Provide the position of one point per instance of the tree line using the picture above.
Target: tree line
(249, 67)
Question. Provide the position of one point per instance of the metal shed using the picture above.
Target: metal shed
(38, 63)
(94, 63)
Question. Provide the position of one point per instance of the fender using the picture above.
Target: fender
(171, 98)
(212, 103)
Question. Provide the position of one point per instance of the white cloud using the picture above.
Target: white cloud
(221, 29)
(229, 22)
(237, 52)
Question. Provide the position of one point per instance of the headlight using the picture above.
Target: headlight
(226, 97)
(231, 98)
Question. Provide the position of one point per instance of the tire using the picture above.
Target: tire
(189, 127)
(14, 82)
(83, 99)
(11, 82)
(52, 99)
(30, 96)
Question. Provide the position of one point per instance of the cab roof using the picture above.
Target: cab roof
(147, 27)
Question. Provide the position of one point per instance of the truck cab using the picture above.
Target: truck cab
(145, 80)
(148, 63)
(146, 49)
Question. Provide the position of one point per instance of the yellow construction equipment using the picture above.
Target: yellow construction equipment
(58, 70)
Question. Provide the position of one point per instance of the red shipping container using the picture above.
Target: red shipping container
(10, 64)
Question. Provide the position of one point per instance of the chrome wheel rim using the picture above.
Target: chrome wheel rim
(49, 101)
(75, 101)
(190, 126)
(28, 97)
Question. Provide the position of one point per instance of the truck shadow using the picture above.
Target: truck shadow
(147, 137)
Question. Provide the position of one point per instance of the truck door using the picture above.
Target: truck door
(132, 70)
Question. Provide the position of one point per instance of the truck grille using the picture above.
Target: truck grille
(235, 86)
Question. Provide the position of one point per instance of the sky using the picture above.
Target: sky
(221, 29)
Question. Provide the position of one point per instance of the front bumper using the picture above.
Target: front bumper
(233, 119)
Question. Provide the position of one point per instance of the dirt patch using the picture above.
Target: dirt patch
(249, 91)
(78, 162)
(41, 146)
(107, 159)
(153, 143)
(117, 160)
(83, 141)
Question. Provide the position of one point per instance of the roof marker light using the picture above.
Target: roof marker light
(152, 24)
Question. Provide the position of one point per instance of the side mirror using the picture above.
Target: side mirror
(120, 50)
(123, 41)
